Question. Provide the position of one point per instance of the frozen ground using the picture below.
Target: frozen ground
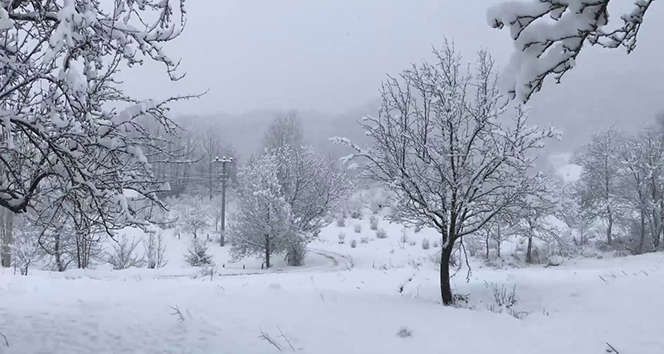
(347, 300)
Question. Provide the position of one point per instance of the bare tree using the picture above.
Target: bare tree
(312, 186)
(549, 48)
(635, 186)
(448, 161)
(285, 130)
(599, 183)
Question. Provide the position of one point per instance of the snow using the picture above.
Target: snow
(345, 300)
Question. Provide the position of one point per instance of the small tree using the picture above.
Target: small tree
(155, 247)
(262, 223)
(197, 253)
(192, 214)
(123, 254)
(26, 249)
(285, 130)
(446, 159)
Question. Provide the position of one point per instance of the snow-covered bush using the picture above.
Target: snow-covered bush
(436, 244)
(342, 237)
(403, 239)
(329, 218)
(425, 244)
(364, 240)
(358, 228)
(353, 243)
(26, 249)
(296, 251)
(413, 243)
(341, 220)
(373, 221)
(381, 234)
(197, 253)
(192, 215)
(504, 300)
(155, 247)
(123, 254)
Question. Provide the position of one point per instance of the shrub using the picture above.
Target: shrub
(364, 240)
(197, 254)
(123, 254)
(403, 239)
(504, 300)
(413, 243)
(342, 238)
(297, 251)
(358, 228)
(356, 214)
(329, 218)
(381, 234)
(341, 221)
(155, 247)
(374, 222)
(353, 243)
(425, 244)
(436, 244)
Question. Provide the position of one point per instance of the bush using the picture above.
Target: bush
(197, 254)
(358, 228)
(356, 214)
(353, 243)
(403, 239)
(364, 240)
(297, 251)
(342, 238)
(341, 221)
(436, 244)
(123, 254)
(413, 243)
(504, 300)
(381, 234)
(155, 247)
(374, 222)
(329, 218)
(425, 244)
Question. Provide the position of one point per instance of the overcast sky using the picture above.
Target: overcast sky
(331, 55)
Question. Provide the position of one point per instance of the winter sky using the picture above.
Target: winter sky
(331, 55)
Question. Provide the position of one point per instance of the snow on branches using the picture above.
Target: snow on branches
(549, 35)
(72, 142)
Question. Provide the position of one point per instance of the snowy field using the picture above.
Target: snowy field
(380, 297)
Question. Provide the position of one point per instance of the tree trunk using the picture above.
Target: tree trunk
(642, 239)
(486, 241)
(529, 252)
(445, 289)
(7, 240)
(609, 229)
(58, 253)
(267, 251)
(498, 247)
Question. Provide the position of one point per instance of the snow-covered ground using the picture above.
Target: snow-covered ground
(346, 300)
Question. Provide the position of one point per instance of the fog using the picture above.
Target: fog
(327, 58)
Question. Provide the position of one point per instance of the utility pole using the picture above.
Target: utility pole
(225, 162)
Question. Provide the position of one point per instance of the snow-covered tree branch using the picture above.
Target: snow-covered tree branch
(72, 141)
(550, 34)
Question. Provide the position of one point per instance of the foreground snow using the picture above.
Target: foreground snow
(347, 300)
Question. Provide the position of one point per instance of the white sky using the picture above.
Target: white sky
(331, 55)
